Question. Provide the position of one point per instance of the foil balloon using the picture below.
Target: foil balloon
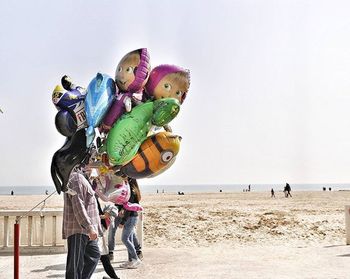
(168, 81)
(133, 70)
(155, 155)
(115, 189)
(71, 154)
(126, 136)
(99, 97)
(66, 123)
(72, 101)
(131, 76)
(120, 105)
(68, 84)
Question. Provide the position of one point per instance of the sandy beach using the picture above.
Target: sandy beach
(254, 229)
(253, 218)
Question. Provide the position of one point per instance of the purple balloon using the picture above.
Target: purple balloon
(116, 110)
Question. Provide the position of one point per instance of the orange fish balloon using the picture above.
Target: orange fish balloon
(155, 155)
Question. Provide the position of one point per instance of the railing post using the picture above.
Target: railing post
(42, 230)
(6, 231)
(30, 231)
(54, 242)
(139, 229)
(16, 249)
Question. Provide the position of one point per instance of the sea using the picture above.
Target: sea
(208, 188)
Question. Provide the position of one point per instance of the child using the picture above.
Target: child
(105, 215)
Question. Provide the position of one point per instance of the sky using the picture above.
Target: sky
(270, 83)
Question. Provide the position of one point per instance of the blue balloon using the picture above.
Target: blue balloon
(99, 97)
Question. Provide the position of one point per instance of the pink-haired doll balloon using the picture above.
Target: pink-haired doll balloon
(168, 81)
(131, 76)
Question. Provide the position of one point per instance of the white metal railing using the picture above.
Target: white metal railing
(40, 230)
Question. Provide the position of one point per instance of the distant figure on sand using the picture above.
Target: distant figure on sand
(249, 188)
(287, 190)
(330, 188)
(46, 192)
(12, 193)
(272, 193)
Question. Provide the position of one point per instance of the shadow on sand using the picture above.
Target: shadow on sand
(52, 267)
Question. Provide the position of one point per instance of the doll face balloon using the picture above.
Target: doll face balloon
(132, 71)
(125, 70)
(168, 81)
(173, 85)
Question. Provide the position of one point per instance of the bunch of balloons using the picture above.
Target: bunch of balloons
(118, 128)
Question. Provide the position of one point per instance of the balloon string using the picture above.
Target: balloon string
(26, 213)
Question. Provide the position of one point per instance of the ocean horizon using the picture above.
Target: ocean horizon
(196, 188)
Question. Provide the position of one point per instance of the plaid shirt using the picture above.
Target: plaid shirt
(80, 212)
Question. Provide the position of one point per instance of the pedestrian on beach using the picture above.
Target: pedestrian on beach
(112, 232)
(272, 193)
(128, 223)
(81, 227)
(288, 189)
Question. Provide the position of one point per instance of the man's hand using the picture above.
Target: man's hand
(92, 234)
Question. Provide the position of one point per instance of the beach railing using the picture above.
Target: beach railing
(40, 231)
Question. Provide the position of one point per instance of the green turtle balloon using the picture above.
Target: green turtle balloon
(128, 133)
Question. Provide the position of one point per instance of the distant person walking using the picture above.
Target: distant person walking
(288, 189)
(272, 193)
(249, 188)
(12, 193)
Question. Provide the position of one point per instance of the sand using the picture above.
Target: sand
(221, 235)
(231, 219)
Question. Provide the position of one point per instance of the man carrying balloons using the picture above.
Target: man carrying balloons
(81, 227)
(112, 127)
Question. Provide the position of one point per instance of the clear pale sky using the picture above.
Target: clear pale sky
(270, 83)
